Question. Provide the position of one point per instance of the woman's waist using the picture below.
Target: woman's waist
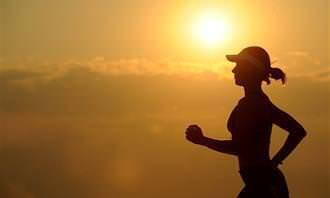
(254, 162)
(262, 175)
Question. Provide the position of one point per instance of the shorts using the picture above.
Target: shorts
(263, 182)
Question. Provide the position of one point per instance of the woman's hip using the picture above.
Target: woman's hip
(264, 182)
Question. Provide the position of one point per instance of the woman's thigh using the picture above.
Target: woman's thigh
(255, 192)
(261, 183)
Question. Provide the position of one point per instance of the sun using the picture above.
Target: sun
(211, 30)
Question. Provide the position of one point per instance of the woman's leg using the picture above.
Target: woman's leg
(255, 192)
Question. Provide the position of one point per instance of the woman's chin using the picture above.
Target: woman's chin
(237, 82)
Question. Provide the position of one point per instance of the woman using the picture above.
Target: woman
(250, 124)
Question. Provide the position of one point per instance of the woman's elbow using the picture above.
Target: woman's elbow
(297, 132)
(300, 133)
(303, 133)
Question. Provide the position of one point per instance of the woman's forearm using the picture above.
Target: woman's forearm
(290, 144)
(223, 146)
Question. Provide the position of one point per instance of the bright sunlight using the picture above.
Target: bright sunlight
(211, 30)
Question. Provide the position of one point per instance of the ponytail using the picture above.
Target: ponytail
(277, 73)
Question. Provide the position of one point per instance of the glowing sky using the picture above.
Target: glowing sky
(95, 95)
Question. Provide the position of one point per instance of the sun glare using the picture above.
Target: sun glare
(211, 30)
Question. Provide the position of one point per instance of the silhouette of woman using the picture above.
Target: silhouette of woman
(250, 124)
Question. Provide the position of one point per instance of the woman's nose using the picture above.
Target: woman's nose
(235, 69)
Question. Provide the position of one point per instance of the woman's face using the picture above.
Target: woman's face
(244, 74)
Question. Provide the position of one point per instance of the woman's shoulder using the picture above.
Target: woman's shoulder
(258, 106)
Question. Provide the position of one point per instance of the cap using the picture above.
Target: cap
(254, 54)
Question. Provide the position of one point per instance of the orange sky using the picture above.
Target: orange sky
(95, 96)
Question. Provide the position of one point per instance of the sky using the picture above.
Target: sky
(95, 96)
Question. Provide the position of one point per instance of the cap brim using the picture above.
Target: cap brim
(232, 57)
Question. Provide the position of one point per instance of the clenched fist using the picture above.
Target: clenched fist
(194, 134)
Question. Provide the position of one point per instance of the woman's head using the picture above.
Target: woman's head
(253, 66)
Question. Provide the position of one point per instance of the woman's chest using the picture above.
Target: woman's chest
(248, 120)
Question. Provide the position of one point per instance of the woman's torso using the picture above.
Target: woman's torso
(250, 124)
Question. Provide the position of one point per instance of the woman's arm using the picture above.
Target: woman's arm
(195, 135)
(296, 133)
(223, 146)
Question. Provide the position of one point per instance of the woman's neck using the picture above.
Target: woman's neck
(252, 90)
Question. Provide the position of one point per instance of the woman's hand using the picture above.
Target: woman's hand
(195, 135)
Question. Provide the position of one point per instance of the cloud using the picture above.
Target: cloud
(160, 67)
(322, 75)
(303, 64)
(297, 64)
(298, 53)
(221, 69)
(45, 71)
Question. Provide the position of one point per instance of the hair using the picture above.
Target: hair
(276, 73)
